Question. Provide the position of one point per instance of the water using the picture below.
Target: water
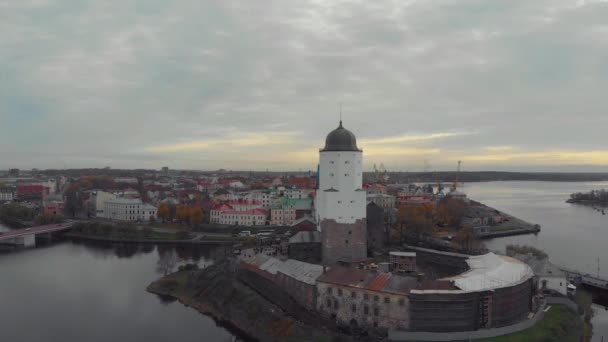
(74, 292)
(574, 236)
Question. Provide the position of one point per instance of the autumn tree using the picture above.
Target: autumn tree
(466, 240)
(182, 213)
(196, 215)
(414, 220)
(163, 211)
(451, 211)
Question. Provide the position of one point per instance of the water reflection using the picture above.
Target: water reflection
(76, 291)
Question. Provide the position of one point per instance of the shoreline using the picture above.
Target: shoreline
(145, 241)
(217, 292)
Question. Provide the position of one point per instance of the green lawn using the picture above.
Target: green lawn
(560, 324)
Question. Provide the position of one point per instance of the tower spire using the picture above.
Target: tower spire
(340, 114)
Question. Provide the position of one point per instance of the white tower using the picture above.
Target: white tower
(341, 202)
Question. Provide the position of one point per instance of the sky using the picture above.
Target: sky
(257, 84)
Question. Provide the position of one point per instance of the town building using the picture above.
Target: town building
(382, 200)
(305, 246)
(403, 261)
(283, 212)
(32, 192)
(272, 276)
(363, 298)
(303, 224)
(54, 207)
(7, 194)
(227, 214)
(98, 202)
(340, 199)
(129, 209)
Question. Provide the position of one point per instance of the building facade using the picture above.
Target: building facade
(283, 212)
(340, 200)
(128, 209)
(361, 298)
(7, 194)
(382, 200)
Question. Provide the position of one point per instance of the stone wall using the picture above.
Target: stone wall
(306, 252)
(342, 241)
(363, 308)
(442, 312)
(377, 234)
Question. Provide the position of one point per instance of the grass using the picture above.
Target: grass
(560, 324)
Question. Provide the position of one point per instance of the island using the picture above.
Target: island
(594, 197)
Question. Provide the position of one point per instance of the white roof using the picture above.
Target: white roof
(302, 271)
(491, 271)
(124, 200)
(405, 254)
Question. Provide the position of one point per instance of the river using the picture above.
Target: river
(81, 292)
(69, 292)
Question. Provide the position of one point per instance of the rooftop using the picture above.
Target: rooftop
(306, 237)
(491, 271)
(302, 271)
(405, 254)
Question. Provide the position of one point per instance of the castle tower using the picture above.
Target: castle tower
(340, 201)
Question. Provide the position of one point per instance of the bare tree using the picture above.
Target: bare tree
(166, 263)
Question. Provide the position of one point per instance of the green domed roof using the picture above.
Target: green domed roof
(341, 139)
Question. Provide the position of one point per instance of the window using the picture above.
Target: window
(346, 242)
(365, 296)
(331, 174)
(335, 304)
(329, 303)
(353, 295)
(376, 312)
(346, 175)
(401, 302)
(346, 162)
(340, 292)
(331, 161)
(329, 290)
(375, 324)
(387, 300)
(366, 310)
(350, 232)
(353, 307)
(376, 298)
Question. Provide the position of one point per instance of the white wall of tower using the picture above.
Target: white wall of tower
(341, 171)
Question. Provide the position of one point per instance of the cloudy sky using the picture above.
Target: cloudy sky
(256, 84)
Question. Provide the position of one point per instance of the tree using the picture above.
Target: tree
(414, 220)
(451, 211)
(163, 211)
(196, 215)
(182, 213)
(466, 239)
(48, 219)
(166, 262)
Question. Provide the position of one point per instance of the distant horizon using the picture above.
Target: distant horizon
(306, 171)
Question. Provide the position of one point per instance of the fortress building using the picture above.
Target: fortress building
(340, 201)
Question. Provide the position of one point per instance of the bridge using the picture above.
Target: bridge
(27, 236)
(578, 278)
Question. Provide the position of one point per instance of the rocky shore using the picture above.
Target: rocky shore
(217, 292)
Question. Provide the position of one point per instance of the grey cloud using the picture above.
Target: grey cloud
(97, 82)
